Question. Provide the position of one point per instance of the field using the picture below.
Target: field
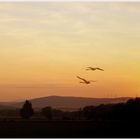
(68, 129)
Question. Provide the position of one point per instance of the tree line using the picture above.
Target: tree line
(119, 111)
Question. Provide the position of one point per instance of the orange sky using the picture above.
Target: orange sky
(45, 45)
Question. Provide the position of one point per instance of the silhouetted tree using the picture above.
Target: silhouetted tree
(119, 111)
(133, 108)
(88, 112)
(47, 112)
(27, 111)
(99, 112)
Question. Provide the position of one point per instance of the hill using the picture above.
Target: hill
(69, 103)
(6, 107)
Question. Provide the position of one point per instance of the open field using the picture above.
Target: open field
(68, 129)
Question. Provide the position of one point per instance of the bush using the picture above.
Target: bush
(47, 112)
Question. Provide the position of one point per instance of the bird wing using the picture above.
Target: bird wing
(100, 69)
(91, 68)
(82, 79)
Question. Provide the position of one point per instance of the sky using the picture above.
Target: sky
(45, 45)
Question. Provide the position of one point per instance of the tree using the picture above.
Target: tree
(27, 111)
(88, 112)
(47, 112)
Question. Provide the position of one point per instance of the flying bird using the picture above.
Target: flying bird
(93, 69)
(85, 81)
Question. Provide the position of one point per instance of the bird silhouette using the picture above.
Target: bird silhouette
(85, 81)
(93, 69)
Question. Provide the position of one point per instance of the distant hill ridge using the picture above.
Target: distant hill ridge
(69, 102)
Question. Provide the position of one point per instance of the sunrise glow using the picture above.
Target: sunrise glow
(44, 46)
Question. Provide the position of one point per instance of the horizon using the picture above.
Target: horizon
(44, 46)
(22, 100)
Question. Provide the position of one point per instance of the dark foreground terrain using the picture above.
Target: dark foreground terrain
(121, 120)
(69, 129)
